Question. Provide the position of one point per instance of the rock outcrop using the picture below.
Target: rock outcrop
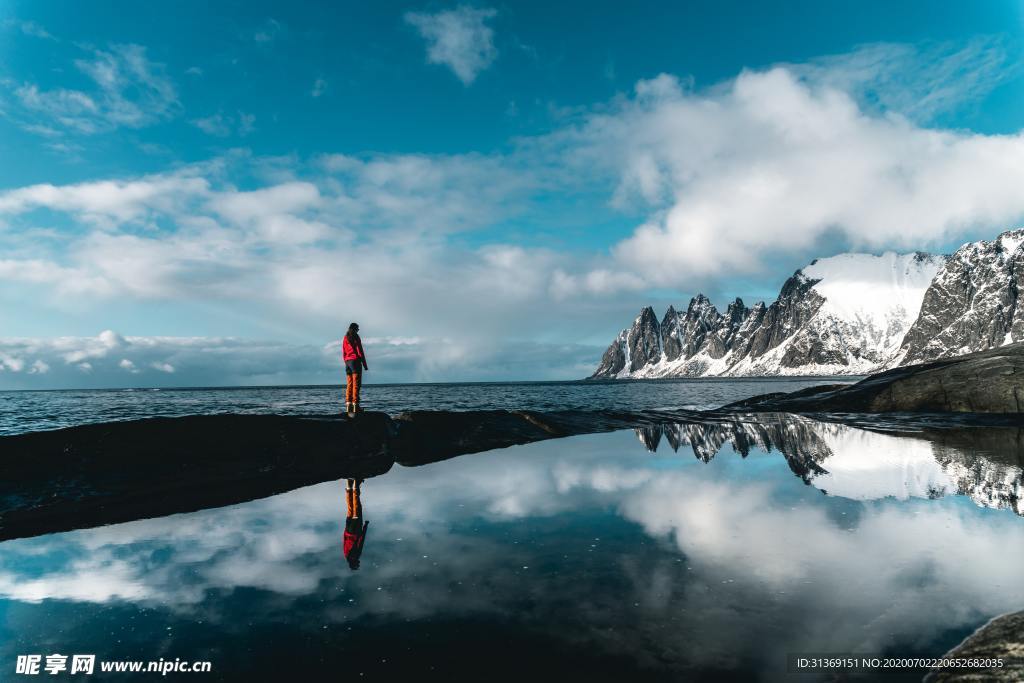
(1000, 639)
(119, 471)
(985, 382)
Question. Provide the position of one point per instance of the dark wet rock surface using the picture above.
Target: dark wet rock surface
(985, 382)
(114, 472)
(1002, 638)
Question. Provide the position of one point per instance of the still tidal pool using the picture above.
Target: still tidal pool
(682, 552)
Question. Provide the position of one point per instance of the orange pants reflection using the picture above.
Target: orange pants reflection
(354, 508)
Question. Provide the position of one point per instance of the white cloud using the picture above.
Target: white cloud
(269, 32)
(458, 38)
(769, 164)
(129, 91)
(11, 363)
(917, 82)
(214, 125)
(111, 203)
(112, 360)
(765, 168)
(398, 209)
(89, 349)
(319, 87)
(415, 193)
(286, 198)
(224, 125)
(29, 28)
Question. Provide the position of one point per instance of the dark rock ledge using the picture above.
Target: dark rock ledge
(985, 382)
(1001, 638)
(98, 474)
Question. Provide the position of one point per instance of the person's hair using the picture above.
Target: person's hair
(352, 332)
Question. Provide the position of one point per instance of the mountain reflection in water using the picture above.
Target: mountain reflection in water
(578, 558)
(984, 463)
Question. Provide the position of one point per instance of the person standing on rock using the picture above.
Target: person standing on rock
(355, 363)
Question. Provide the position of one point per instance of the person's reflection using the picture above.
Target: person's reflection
(355, 527)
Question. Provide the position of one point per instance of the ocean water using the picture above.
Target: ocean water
(698, 552)
(24, 411)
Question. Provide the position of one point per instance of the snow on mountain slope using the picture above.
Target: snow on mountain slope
(879, 296)
(845, 314)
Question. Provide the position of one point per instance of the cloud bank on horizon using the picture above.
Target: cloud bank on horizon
(513, 260)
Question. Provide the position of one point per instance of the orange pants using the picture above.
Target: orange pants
(352, 384)
(354, 508)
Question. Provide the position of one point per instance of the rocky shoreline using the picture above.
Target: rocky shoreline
(1000, 639)
(115, 472)
(985, 382)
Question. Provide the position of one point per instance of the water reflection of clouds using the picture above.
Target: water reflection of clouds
(740, 567)
(902, 568)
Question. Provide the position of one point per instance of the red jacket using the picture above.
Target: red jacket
(353, 351)
(354, 541)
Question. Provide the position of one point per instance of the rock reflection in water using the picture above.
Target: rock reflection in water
(984, 463)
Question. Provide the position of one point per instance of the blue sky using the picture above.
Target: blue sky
(492, 190)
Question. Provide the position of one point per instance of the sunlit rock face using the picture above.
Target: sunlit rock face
(973, 302)
(986, 464)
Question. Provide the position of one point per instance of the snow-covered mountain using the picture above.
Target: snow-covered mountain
(972, 304)
(847, 314)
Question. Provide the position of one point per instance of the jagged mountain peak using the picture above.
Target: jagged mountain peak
(843, 314)
(1004, 245)
(647, 312)
(736, 309)
(701, 307)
